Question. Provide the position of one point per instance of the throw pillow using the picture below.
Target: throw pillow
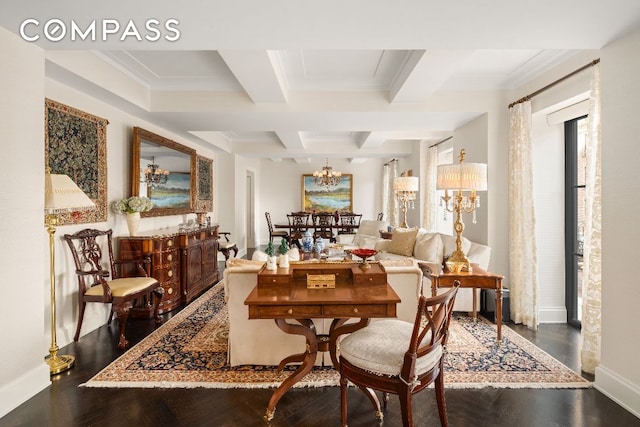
(259, 256)
(294, 254)
(429, 247)
(402, 241)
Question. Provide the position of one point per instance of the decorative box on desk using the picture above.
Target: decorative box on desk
(185, 263)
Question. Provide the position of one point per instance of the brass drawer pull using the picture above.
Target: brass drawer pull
(290, 311)
(274, 280)
(170, 273)
(169, 257)
(169, 243)
(355, 309)
(170, 291)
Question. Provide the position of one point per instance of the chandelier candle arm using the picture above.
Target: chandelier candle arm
(460, 177)
(327, 177)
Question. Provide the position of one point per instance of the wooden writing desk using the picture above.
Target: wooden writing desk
(478, 278)
(283, 294)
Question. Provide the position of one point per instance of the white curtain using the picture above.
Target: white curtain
(591, 277)
(523, 282)
(389, 201)
(429, 198)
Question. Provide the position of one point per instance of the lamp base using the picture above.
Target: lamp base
(458, 262)
(59, 363)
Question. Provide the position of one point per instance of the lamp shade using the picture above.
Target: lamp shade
(406, 183)
(462, 176)
(61, 194)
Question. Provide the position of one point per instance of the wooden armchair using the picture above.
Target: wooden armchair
(103, 285)
(226, 246)
(394, 356)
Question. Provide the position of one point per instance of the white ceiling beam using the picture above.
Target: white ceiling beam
(424, 72)
(256, 71)
(290, 139)
(373, 139)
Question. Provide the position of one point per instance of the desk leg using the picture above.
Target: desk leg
(499, 312)
(307, 329)
(475, 304)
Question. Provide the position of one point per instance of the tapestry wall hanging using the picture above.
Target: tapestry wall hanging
(76, 145)
(204, 184)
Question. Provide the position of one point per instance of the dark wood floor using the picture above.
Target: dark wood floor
(65, 404)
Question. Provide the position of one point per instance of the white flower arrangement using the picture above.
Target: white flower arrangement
(131, 205)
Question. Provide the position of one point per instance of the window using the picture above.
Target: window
(575, 192)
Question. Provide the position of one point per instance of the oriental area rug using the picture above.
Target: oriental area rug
(189, 350)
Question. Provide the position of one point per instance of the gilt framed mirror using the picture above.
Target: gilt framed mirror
(164, 171)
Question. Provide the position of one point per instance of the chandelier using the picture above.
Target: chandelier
(327, 177)
(154, 175)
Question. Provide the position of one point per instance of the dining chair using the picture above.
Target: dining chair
(298, 225)
(349, 223)
(324, 224)
(399, 357)
(226, 246)
(282, 234)
(92, 250)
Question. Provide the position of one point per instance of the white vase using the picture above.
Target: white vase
(271, 263)
(133, 222)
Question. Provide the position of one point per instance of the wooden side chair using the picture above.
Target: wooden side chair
(282, 234)
(403, 358)
(324, 224)
(99, 280)
(349, 223)
(226, 246)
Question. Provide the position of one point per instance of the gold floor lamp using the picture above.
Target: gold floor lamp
(61, 194)
(461, 177)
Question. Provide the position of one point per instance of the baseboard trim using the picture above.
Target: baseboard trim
(618, 389)
(552, 315)
(24, 388)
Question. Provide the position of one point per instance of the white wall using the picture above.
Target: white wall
(618, 375)
(280, 188)
(22, 369)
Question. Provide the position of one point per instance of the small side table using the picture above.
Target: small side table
(478, 278)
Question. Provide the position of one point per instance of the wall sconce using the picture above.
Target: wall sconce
(461, 177)
(406, 188)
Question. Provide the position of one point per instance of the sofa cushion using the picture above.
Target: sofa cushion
(403, 240)
(428, 247)
(366, 242)
(372, 228)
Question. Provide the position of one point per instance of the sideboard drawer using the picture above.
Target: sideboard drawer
(274, 280)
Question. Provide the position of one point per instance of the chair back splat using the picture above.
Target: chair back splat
(100, 281)
(398, 357)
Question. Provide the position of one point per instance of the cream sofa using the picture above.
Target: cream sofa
(261, 342)
(431, 247)
(367, 236)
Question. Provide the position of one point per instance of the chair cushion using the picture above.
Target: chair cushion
(226, 245)
(380, 348)
(403, 241)
(123, 287)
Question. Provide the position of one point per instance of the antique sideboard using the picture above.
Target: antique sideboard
(184, 262)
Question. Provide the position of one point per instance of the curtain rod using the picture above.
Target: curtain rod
(390, 161)
(440, 142)
(550, 85)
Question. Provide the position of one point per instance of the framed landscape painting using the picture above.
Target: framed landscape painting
(327, 199)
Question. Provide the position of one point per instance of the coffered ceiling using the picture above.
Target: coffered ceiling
(305, 81)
